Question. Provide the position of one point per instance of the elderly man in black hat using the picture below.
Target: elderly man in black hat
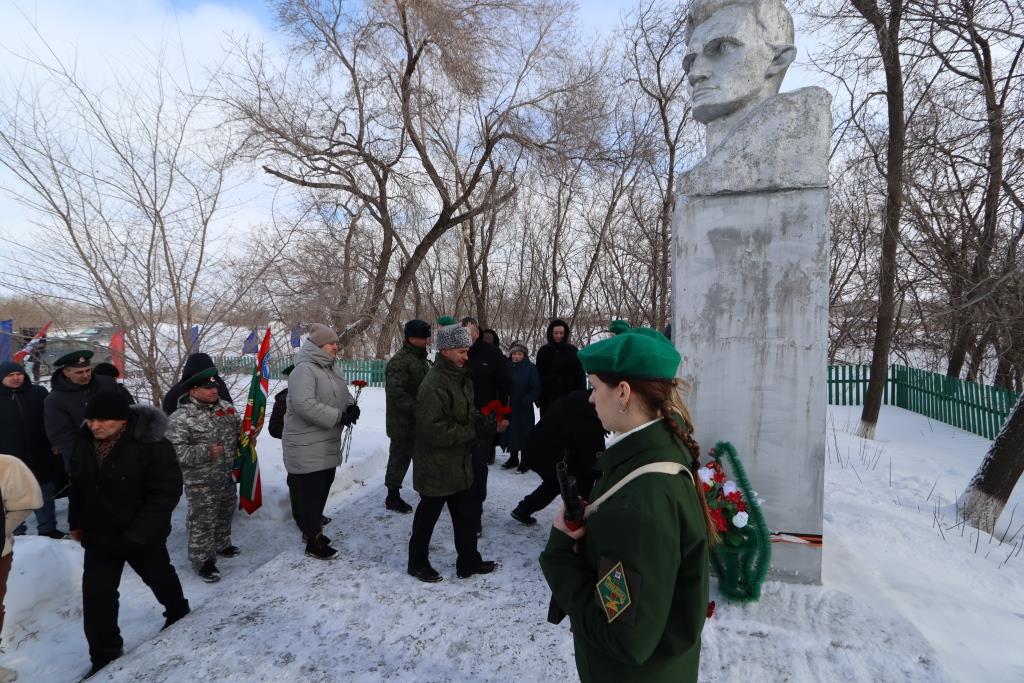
(125, 484)
(403, 376)
(204, 432)
(72, 385)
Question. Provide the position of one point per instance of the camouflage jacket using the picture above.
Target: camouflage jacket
(194, 427)
(403, 376)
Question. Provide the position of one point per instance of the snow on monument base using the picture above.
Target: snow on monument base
(751, 312)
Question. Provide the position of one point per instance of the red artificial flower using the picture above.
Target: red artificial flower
(711, 609)
(492, 406)
(735, 497)
(719, 520)
(707, 487)
(231, 411)
(219, 413)
(359, 383)
(719, 476)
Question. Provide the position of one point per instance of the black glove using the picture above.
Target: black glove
(485, 427)
(350, 416)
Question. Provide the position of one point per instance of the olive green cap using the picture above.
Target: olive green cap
(641, 353)
(203, 378)
(619, 326)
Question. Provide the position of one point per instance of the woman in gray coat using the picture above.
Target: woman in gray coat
(319, 407)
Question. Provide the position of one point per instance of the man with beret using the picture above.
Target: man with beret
(72, 385)
(447, 425)
(23, 435)
(204, 433)
(125, 484)
(402, 378)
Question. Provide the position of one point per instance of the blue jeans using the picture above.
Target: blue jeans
(46, 516)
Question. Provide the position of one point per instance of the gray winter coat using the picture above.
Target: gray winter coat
(317, 396)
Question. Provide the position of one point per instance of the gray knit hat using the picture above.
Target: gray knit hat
(321, 334)
(519, 346)
(452, 337)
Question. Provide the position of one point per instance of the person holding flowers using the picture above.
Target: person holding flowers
(319, 408)
(633, 579)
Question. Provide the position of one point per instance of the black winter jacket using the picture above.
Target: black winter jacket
(23, 432)
(130, 497)
(64, 408)
(489, 370)
(559, 367)
(276, 424)
(197, 362)
(570, 429)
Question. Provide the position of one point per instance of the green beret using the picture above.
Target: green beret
(641, 353)
(446, 320)
(203, 378)
(619, 326)
(75, 359)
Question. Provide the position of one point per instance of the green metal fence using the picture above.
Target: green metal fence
(370, 371)
(973, 407)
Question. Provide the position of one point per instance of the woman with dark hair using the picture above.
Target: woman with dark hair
(634, 578)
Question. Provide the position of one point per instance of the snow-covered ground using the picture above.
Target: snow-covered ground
(901, 599)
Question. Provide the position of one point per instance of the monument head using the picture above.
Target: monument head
(737, 55)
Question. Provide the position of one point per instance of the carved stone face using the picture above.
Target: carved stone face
(729, 64)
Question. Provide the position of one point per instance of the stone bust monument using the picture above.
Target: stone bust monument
(738, 52)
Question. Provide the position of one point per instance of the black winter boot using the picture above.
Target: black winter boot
(209, 572)
(320, 549)
(395, 503)
(513, 461)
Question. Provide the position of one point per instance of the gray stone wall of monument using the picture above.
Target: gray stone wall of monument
(750, 272)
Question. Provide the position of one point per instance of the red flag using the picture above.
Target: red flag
(117, 351)
(20, 355)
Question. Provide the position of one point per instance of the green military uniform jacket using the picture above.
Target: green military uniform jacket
(654, 526)
(402, 378)
(445, 418)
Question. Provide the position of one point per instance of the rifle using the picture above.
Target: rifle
(574, 507)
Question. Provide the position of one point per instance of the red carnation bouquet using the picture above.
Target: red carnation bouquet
(346, 439)
(496, 408)
(725, 499)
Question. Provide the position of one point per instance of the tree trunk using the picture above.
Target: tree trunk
(985, 498)
(887, 35)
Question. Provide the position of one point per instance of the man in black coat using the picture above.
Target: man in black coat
(492, 380)
(570, 430)
(72, 385)
(23, 435)
(560, 370)
(125, 484)
(194, 364)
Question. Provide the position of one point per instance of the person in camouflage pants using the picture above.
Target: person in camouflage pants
(403, 376)
(204, 431)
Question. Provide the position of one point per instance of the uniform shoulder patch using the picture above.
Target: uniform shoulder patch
(613, 592)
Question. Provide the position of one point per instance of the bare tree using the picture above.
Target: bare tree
(125, 184)
(991, 486)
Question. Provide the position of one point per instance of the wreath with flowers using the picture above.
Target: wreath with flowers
(743, 556)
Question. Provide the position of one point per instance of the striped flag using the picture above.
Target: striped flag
(247, 467)
(20, 355)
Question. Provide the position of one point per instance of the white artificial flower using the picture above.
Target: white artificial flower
(739, 520)
(729, 487)
(706, 474)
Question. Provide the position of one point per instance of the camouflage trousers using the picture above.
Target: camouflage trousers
(212, 499)
(399, 457)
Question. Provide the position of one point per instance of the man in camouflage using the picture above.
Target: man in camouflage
(204, 431)
(403, 375)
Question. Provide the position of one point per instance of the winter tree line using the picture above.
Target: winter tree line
(490, 158)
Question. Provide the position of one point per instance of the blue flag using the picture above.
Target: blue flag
(193, 346)
(251, 344)
(296, 336)
(6, 331)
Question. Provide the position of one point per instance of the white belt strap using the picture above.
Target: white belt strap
(672, 468)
